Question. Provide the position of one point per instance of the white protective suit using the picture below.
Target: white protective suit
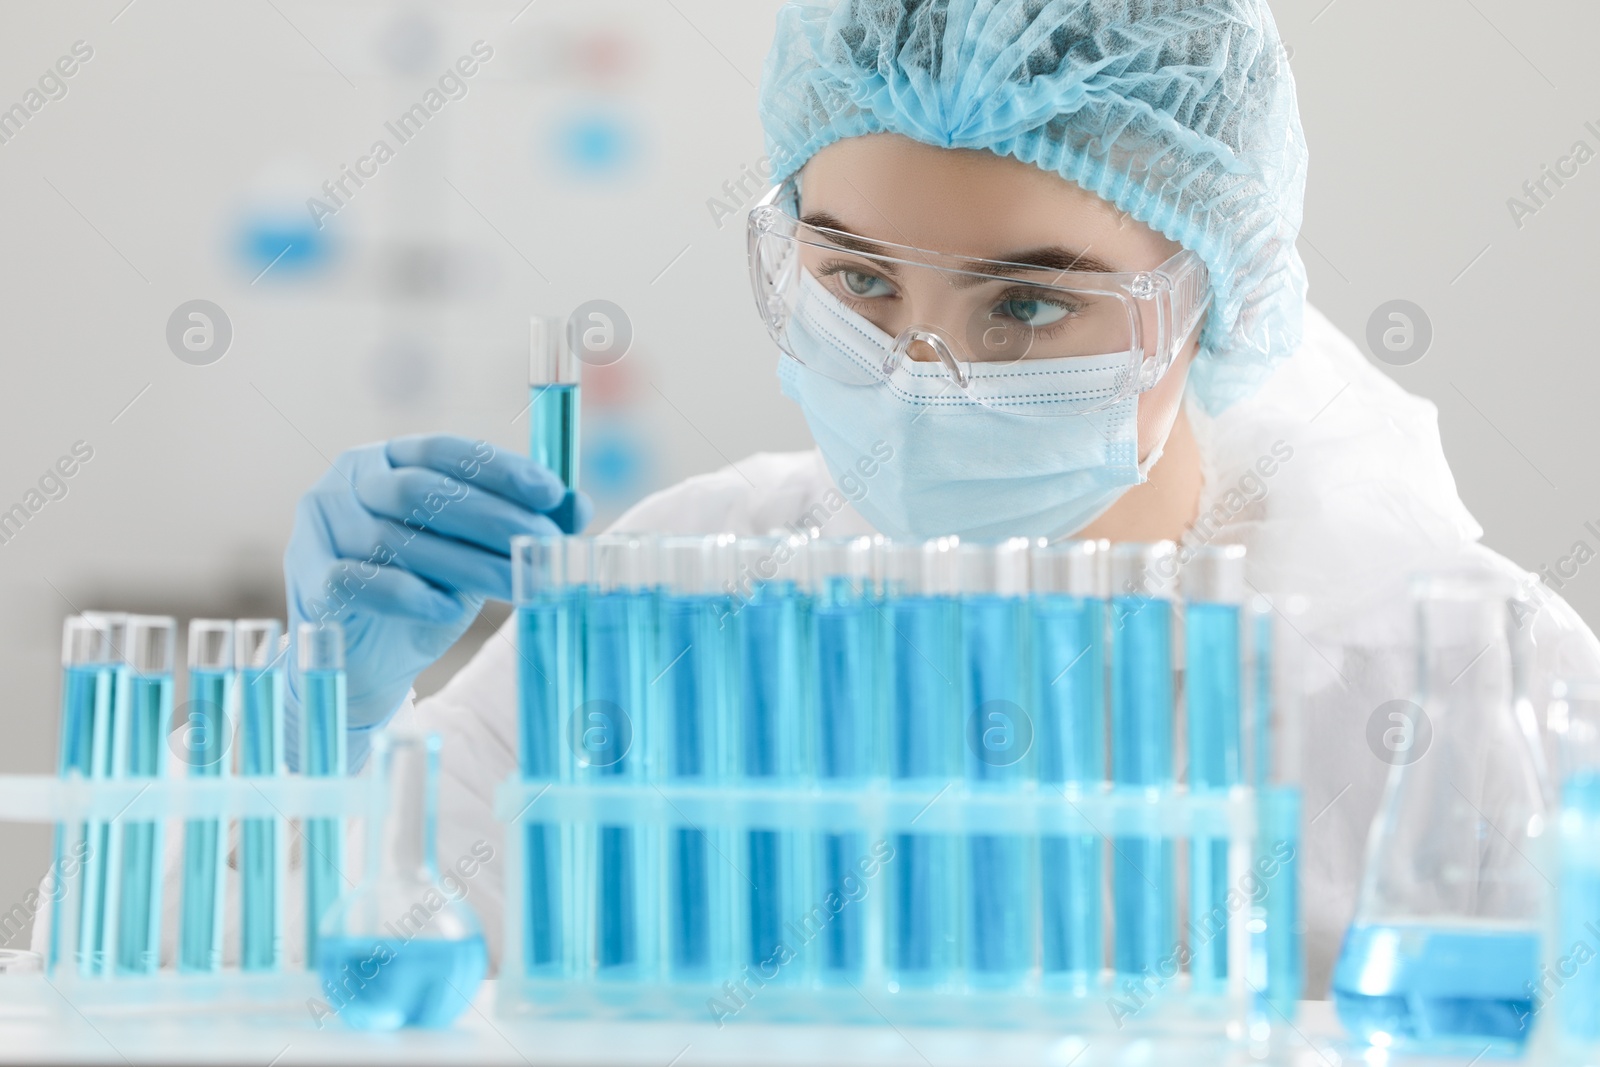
(1359, 497)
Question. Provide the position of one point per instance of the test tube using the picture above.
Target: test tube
(773, 742)
(547, 582)
(998, 731)
(1213, 592)
(322, 755)
(619, 669)
(1142, 725)
(1070, 582)
(1275, 679)
(259, 652)
(87, 683)
(206, 733)
(922, 580)
(843, 664)
(696, 713)
(143, 744)
(553, 375)
(97, 934)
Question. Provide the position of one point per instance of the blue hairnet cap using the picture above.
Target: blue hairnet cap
(1181, 113)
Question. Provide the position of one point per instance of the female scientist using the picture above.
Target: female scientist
(1048, 285)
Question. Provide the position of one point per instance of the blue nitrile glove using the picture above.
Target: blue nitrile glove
(401, 542)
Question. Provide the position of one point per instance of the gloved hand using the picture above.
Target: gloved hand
(401, 542)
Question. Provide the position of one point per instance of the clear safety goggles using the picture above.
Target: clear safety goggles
(983, 326)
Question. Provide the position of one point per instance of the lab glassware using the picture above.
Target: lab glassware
(924, 619)
(323, 721)
(1213, 657)
(1445, 941)
(88, 678)
(1143, 722)
(205, 736)
(843, 664)
(998, 731)
(259, 653)
(403, 948)
(695, 689)
(144, 710)
(1571, 978)
(1070, 581)
(553, 399)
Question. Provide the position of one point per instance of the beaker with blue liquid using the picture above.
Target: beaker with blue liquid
(1445, 944)
(1570, 980)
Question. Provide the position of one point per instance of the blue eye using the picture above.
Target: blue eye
(862, 284)
(1033, 313)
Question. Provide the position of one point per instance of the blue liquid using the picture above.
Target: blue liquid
(206, 736)
(553, 417)
(697, 719)
(547, 647)
(844, 643)
(322, 754)
(1578, 998)
(1277, 951)
(87, 694)
(386, 983)
(1141, 757)
(1211, 670)
(1069, 680)
(606, 742)
(1433, 989)
(999, 743)
(138, 939)
(261, 841)
(925, 753)
(771, 712)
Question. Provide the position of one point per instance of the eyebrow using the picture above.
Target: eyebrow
(1054, 257)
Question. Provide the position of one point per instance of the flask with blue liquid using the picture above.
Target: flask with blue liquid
(1444, 948)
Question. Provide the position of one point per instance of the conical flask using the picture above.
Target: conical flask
(1444, 946)
(403, 948)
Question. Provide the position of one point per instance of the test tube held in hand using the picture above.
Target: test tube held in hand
(553, 399)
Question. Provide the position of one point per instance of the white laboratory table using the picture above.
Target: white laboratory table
(481, 1038)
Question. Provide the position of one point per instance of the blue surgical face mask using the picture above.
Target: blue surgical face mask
(959, 467)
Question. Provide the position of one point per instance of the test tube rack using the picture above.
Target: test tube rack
(692, 836)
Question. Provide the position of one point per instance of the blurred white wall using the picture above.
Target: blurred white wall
(579, 164)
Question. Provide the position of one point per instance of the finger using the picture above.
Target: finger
(362, 586)
(573, 513)
(427, 500)
(499, 470)
(449, 565)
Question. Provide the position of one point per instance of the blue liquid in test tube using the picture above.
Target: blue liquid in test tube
(1213, 588)
(1142, 724)
(143, 744)
(696, 716)
(1274, 678)
(323, 721)
(206, 736)
(553, 397)
(843, 665)
(97, 933)
(547, 576)
(1070, 583)
(773, 741)
(605, 735)
(259, 655)
(924, 755)
(87, 683)
(999, 733)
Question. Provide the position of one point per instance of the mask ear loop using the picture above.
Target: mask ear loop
(941, 349)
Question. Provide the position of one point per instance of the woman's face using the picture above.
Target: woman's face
(889, 188)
